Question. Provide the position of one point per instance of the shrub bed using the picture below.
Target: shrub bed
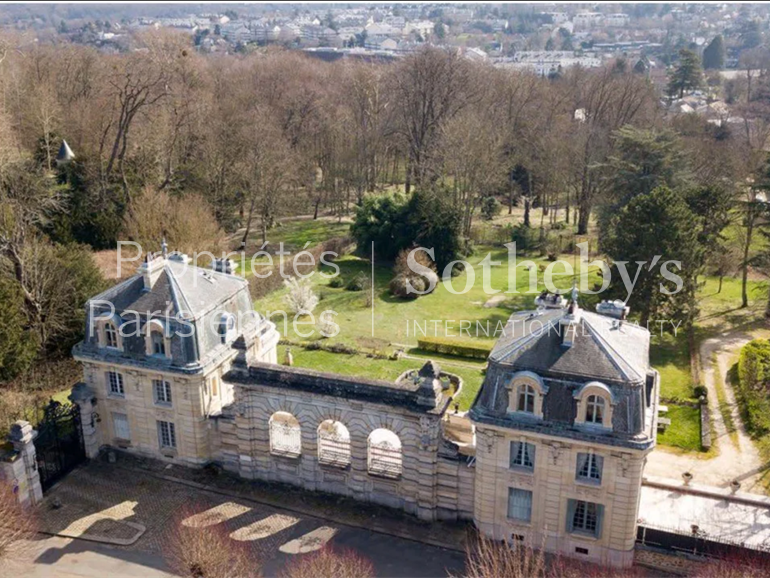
(449, 346)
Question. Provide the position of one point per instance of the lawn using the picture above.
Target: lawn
(684, 431)
(384, 369)
(670, 355)
(394, 321)
(373, 320)
(296, 234)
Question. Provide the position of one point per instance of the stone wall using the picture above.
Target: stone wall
(435, 483)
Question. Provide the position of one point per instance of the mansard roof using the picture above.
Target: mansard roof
(603, 348)
(179, 288)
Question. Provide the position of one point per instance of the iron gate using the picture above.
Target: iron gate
(59, 442)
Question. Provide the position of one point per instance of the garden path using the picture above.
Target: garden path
(736, 456)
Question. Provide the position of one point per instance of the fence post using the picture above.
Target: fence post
(84, 397)
(24, 468)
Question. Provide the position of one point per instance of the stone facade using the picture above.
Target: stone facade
(564, 420)
(552, 450)
(362, 406)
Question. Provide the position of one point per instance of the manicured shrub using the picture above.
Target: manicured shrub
(753, 389)
(458, 347)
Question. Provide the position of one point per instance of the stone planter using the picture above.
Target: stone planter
(735, 485)
(687, 477)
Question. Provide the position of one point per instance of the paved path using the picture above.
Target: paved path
(713, 511)
(101, 492)
(736, 458)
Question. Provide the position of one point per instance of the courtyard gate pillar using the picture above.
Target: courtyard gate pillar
(85, 398)
(24, 468)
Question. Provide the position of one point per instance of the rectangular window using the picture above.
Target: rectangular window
(522, 455)
(584, 518)
(115, 383)
(519, 504)
(162, 391)
(120, 426)
(166, 434)
(589, 467)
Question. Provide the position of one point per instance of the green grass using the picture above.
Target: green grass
(684, 431)
(724, 406)
(296, 234)
(670, 355)
(439, 314)
(384, 369)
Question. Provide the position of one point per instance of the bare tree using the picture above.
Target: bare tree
(17, 522)
(429, 88)
(329, 562)
(209, 552)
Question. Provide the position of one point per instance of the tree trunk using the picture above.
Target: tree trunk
(745, 266)
(526, 211)
(721, 277)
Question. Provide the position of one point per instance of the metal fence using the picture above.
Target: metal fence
(699, 544)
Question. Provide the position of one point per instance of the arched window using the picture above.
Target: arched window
(526, 392)
(156, 338)
(333, 443)
(285, 435)
(384, 457)
(226, 328)
(595, 409)
(110, 335)
(158, 343)
(526, 399)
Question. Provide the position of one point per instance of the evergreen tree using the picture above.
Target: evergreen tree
(714, 54)
(18, 346)
(658, 223)
(687, 75)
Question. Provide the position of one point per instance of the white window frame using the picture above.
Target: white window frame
(115, 384)
(528, 507)
(527, 451)
(528, 394)
(161, 342)
(110, 331)
(595, 402)
(161, 392)
(593, 468)
(123, 420)
(166, 435)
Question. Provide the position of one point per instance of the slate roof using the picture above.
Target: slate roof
(179, 287)
(602, 349)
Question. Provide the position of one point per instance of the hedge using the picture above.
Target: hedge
(753, 387)
(456, 347)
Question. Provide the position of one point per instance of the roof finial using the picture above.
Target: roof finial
(164, 247)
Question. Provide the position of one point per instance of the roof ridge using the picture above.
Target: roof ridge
(176, 291)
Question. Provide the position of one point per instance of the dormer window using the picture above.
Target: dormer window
(595, 410)
(526, 392)
(158, 343)
(108, 332)
(526, 399)
(156, 339)
(595, 402)
(110, 335)
(226, 328)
